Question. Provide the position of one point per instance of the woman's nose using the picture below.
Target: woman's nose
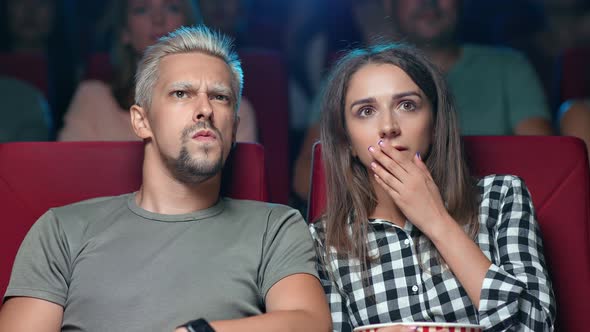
(389, 126)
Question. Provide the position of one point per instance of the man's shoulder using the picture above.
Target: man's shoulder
(92, 206)
(251, 206)
(267, 212)
(492, 54)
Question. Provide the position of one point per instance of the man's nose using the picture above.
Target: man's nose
(203, 110)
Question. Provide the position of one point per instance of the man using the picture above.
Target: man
(174, 251)
(496, 90)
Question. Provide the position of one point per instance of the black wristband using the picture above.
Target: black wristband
(198, 325)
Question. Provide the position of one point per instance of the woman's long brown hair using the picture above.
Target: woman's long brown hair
(350, 194)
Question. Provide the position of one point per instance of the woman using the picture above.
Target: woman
(408, 235)
(99, 110)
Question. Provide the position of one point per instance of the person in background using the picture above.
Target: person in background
(174, 250)
(497, 90)
(100, 110)
(227, 16)
(24, 114)
(41, 28)
(408, 235)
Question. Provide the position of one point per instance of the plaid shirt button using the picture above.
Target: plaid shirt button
(415, 289)
(407, 242)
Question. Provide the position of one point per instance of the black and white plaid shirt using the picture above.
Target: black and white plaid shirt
(516, 294)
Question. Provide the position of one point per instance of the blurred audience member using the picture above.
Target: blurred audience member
(497, 91)
(100, 111)
(227, 16)
(24, 115)
(40, 27)
(574, 120)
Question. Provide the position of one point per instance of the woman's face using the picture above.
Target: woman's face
(383, 103)
(148, 20)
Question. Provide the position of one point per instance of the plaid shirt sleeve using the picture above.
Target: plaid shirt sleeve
(338, 308)
(516, 292)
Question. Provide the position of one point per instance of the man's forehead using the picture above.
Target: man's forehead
(192, 67)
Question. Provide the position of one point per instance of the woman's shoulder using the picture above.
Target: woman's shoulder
(93, 87)
(498, 186)
(317, 230)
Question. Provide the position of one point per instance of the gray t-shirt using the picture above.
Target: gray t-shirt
(116, 267)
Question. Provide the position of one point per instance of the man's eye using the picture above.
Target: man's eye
(179, 94)
(222, 98)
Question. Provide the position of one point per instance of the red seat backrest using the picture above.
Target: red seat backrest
(31, 68)
(37, 176)
(265, 85)
(556, 171)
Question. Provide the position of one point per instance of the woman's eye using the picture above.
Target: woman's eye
(366, 111)
(407, 106)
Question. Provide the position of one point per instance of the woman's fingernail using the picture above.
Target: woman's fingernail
(380, 142)
(418, 155)
(371, 148)
(373, 165)
(412, 328)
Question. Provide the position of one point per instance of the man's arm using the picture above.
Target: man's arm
(295, 303)
(27, 314)
(534, 126)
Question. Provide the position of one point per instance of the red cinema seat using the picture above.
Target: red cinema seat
(37, 176)
(265, 85)
(556, 171)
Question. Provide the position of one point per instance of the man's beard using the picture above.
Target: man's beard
(189, 170)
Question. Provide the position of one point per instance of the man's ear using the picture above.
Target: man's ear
(140, 122)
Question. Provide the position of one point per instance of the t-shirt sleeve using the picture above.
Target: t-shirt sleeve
(525, 96)
(41, 268)
(287, 248)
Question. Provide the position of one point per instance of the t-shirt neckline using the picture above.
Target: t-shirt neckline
(216, 209)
